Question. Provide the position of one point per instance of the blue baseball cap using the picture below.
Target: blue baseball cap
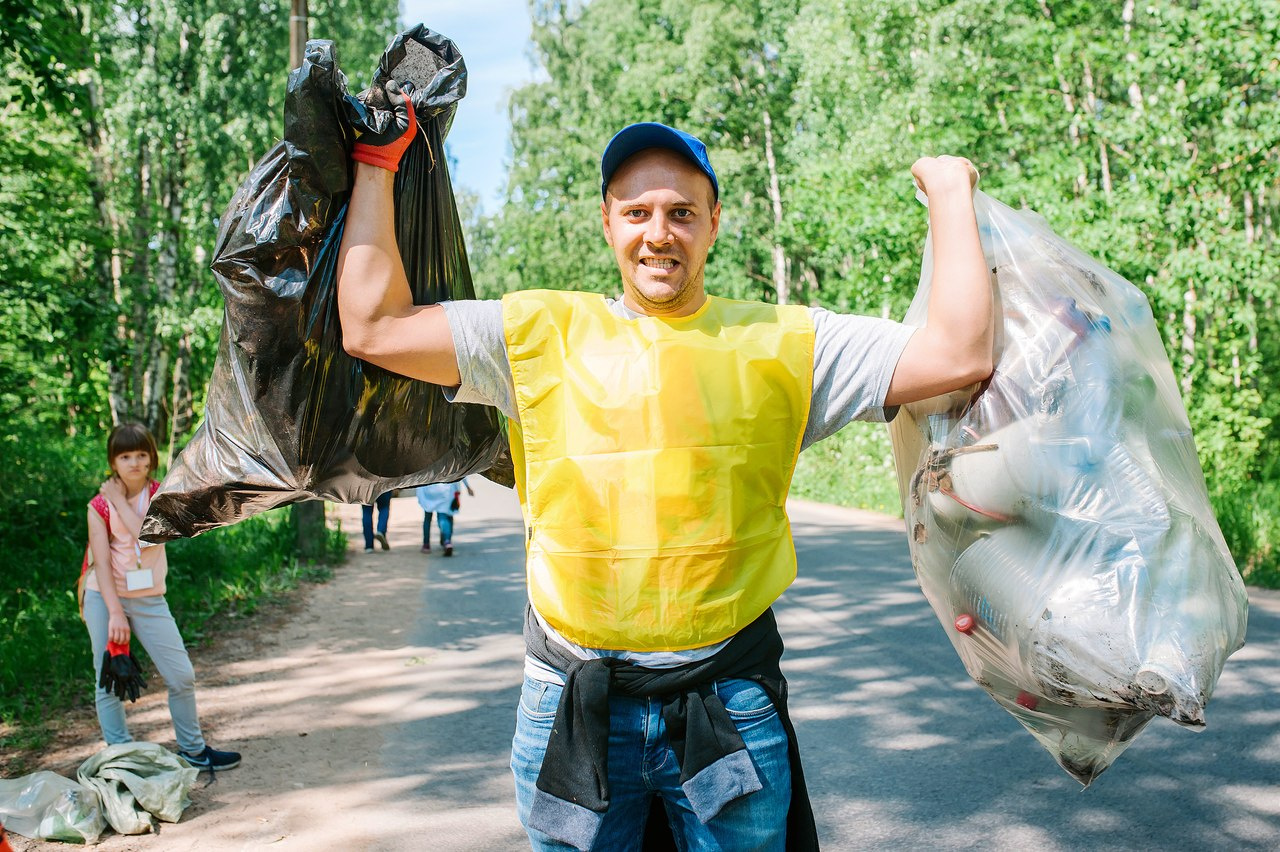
(635, 138)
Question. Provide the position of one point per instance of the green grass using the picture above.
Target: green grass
(853, 468)
(1250, 521)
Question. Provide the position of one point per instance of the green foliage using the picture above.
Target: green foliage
(44, 535)
(135, 120)
(854, 467)
(1250, 520)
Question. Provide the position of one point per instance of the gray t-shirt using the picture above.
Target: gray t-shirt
(853, 361)
(854, 358)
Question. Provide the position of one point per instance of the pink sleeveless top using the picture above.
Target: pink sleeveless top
(127, 554)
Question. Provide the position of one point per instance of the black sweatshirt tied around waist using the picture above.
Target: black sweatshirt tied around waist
(573, 787)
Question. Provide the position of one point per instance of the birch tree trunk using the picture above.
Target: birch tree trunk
(780, 285)
(1188, 343)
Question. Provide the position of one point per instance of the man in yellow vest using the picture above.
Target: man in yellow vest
(654, 438)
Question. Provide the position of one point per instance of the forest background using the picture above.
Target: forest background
(1148, 133)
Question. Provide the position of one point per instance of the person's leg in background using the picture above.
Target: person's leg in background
(110, 709)
(154, 628)
(366, 522)
(426, 532)
(384, 512)
(446, 532)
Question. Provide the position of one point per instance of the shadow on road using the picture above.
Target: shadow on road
(903, 750)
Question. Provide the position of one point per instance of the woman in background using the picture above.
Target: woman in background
(444, 499)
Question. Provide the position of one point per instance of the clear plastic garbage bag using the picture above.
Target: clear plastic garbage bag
(1058, 519)
(46, 806)
(136, 782)
(289, 415)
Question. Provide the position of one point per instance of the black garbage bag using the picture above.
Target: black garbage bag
(289, 415)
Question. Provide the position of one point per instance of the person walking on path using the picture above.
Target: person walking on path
(123, 598)
(654, 439)
(443, 499)
(384, 514)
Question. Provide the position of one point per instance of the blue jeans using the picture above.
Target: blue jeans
(642, 765)
(384, 510)
(153, 628)
(446, 528)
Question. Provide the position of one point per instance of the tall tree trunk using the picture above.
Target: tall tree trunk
(1135, 91)
(308, 517)
(780, 285)
(107, 261)
(137, 333)
(298, 27)
(810, 279)
(1091, 107)
(180, 405)
(159, 369)
(1188, 343)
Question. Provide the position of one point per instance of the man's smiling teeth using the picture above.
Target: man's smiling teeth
(658, 263)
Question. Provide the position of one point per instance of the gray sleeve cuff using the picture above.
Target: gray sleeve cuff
(485, 375)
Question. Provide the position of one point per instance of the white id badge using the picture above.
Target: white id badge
(136, 581)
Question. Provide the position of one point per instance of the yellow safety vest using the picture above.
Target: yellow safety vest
(653, 459)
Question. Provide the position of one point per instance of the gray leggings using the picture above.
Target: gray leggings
(152, 625)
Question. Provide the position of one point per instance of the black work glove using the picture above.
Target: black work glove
(384, 146)
(121, 673)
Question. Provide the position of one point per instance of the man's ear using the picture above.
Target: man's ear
(715, 222)
(604, 216)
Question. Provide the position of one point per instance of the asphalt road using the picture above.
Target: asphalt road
(901, 749)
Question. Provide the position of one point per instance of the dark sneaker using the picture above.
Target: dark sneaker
(211, 758)
(426, 548)
(382, 540)
(448, 550)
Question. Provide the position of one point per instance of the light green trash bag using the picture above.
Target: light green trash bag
(47, 806)
(136, 781)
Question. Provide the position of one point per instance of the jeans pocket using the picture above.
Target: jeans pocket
(745, 700)
(539, 700)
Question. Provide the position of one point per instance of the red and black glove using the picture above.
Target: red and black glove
(121, 673)
(398, 125)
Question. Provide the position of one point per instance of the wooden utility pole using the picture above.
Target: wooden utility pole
(297, 32)
(308, 517)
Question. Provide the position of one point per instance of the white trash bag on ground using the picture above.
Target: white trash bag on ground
(46, 806)
(1058, 518)
(139, 783)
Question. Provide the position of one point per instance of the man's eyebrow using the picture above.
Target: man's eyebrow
(635, 202)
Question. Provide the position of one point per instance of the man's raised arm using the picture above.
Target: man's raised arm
(954, 348)
(380, 322)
